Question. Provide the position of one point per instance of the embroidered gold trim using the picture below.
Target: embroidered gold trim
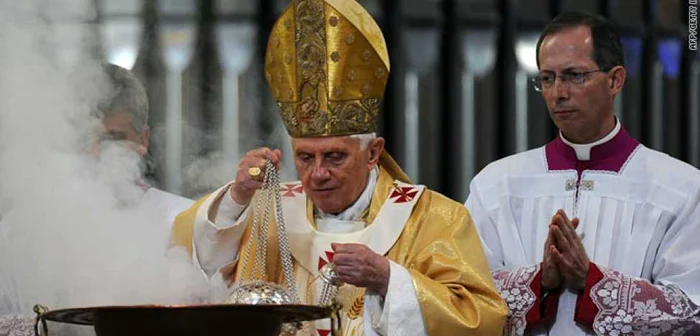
(355, 310)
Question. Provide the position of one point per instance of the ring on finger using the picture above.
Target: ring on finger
(255, 173)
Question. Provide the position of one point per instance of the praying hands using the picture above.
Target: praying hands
(565, 259)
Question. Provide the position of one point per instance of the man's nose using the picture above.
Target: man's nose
(561, 89)
(320, 171)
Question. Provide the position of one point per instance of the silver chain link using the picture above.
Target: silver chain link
(269, 193)
(267, 187)
(259, 270)
(328, 294)
(285, 250)
(259, 233)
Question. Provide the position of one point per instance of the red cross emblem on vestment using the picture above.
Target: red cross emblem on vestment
(323, 261)
(403, 194)
(291, 190)
(323, 332)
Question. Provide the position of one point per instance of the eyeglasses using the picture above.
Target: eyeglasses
(546, 80)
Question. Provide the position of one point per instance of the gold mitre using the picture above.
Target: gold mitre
(327, 65)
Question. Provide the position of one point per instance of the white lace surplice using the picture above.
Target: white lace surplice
(640, 228)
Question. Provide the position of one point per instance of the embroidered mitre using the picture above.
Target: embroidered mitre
(327, 65)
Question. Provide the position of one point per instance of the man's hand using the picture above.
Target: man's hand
(551, 277)
(244, 187)
(359, 266)
(569, 253)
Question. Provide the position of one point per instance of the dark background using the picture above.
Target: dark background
(458, 96)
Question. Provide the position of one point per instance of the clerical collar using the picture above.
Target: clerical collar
(583, 151)
(355, 211)
(609, 153)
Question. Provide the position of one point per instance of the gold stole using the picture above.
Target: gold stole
(392, 201)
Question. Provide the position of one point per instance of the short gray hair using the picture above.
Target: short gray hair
(127, 95)
(365, 139)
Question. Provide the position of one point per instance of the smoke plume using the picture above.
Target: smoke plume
(72, 232)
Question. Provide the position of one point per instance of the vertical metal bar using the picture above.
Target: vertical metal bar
(521, 127)
(657, 118)
(288, 170)
(468, 131)
(412, 126)
(235, 46)
(173, 144)
(121, 40)
(230, 117)
(177, 41)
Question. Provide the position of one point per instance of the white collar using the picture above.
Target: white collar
(583, 151)
(354, 212)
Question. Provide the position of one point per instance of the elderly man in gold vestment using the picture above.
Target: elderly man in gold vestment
(410, 258)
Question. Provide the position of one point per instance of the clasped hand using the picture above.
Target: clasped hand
(565, 260)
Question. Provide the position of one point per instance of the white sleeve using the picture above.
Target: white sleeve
(217, 234)
(486, 228)
(397, 314)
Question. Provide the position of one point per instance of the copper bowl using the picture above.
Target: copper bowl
(192, 320)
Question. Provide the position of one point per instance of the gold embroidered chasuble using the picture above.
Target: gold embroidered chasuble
(436, 242)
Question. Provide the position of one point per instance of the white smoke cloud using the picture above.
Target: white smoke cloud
(71, 234)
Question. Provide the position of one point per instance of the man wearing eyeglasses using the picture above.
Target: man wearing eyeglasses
(592, 233)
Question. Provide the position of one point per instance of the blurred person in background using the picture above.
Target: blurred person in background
(593, 233)
(124, 118)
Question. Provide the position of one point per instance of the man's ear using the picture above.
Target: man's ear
(145, 140)
(618, 74)
(375, 148)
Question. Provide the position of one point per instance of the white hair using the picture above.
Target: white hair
(128, 95)
(365, 139)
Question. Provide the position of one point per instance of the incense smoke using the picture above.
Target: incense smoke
(72, 232)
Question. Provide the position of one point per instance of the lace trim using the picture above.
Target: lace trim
(16, 326)
(633, 306)
(516, 291)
